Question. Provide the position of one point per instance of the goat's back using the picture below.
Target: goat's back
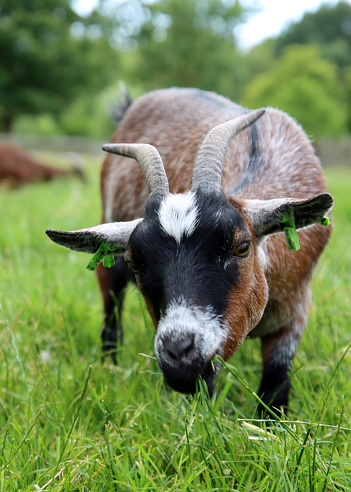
(273, 158)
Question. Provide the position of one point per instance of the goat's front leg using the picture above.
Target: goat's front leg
(113, 282)
(278, 351)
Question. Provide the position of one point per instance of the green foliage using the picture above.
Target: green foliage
(305, 88)
(47, 58)
(70, 423)
(90, 116)
(189, 44)
(87, 115)
(347, 81)
(329, 28)
(258, 60)
(304, 85)
(56, 67)
(43, 124)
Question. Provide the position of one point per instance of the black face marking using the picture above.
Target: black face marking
(201, 268)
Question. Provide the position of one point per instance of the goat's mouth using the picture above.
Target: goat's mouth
(188, 381)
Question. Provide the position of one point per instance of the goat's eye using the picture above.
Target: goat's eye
(242, 249)
(133, 266)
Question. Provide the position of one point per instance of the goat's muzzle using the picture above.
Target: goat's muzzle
(182, 362)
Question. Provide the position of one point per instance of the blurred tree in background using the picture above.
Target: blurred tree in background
(59, 71)
(305, 85)
(48, 56)
(329, 28)
(189, 44)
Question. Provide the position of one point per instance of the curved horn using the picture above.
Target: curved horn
(209, 162)
(150, 162)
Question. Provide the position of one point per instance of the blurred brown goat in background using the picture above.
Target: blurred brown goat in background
(18, 167)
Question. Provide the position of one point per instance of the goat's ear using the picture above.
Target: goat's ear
(270, 216)
(112, 237)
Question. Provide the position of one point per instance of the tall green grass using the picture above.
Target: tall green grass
(68, 422)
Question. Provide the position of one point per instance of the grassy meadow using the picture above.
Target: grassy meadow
(69, 422)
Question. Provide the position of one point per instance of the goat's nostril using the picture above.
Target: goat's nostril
(177, 350)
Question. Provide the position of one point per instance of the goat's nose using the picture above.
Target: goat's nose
(180, 349)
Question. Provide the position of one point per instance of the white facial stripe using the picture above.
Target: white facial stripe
(201, 323)
(178, 215)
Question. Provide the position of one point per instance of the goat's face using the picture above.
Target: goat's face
(196, 264)
(196, 256)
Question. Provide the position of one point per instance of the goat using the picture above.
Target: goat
(17, 167)
(209, 253)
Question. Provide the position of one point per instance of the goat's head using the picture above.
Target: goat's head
(196, 256)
